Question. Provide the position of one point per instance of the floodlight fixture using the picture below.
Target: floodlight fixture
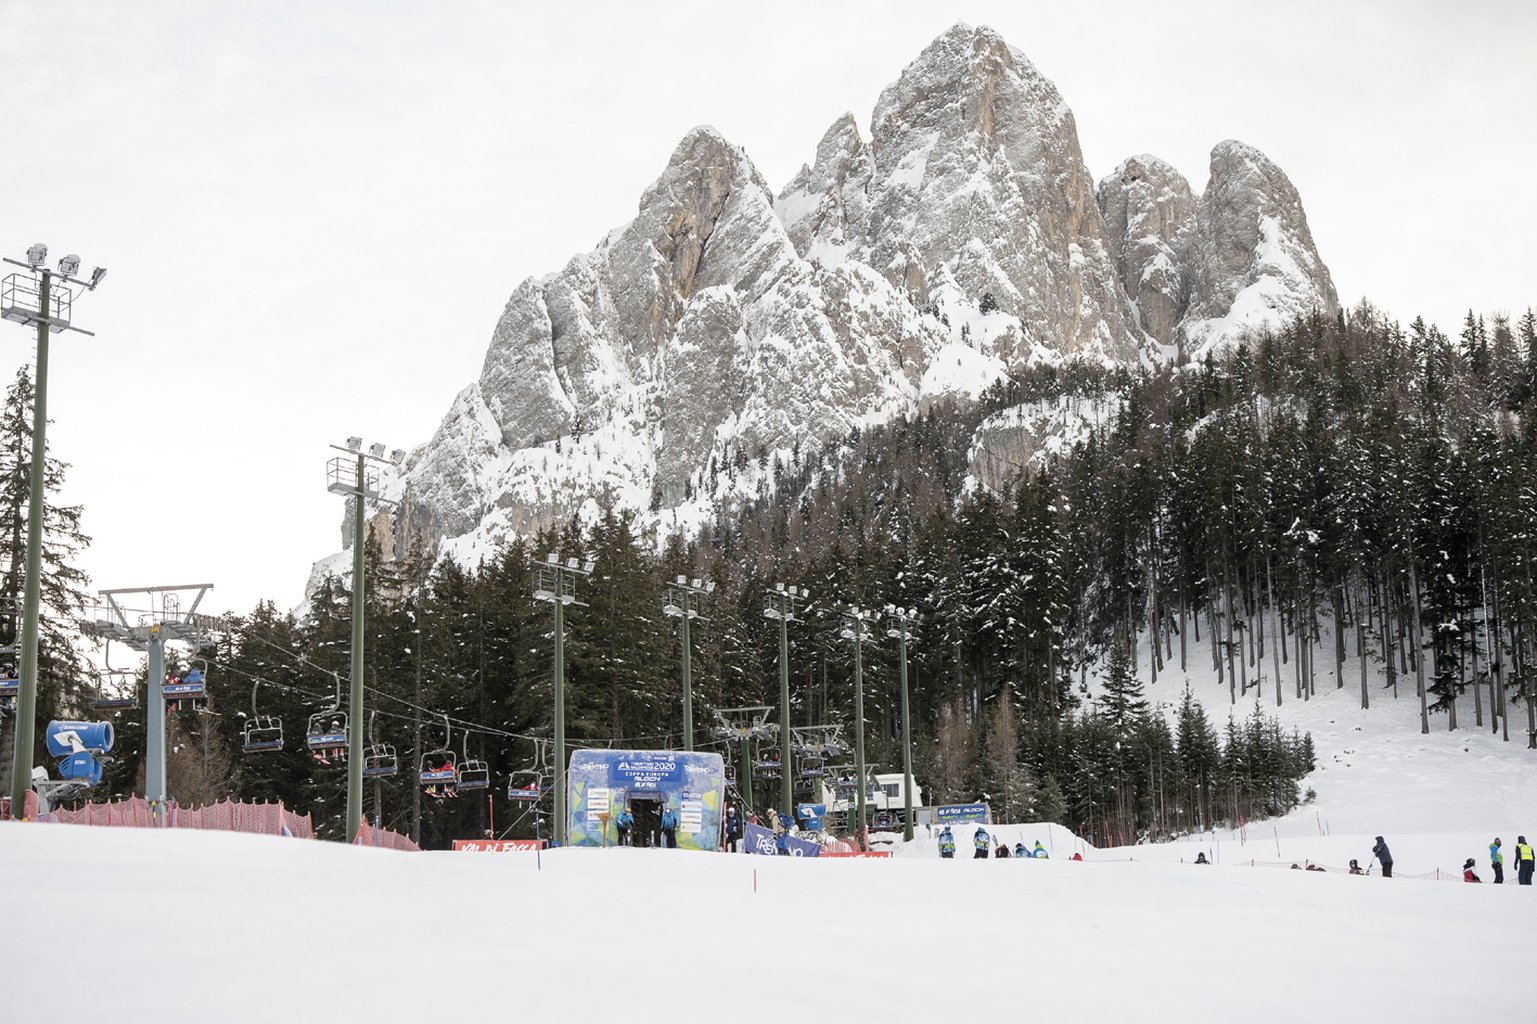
(697, 584)
(552, 558)
(354, 443)
(587, 567)
(779, 587)
(398, 456)
(69, 265)
(37, 255)
(96, 276)
(571, 562)
(376, 450)
(682, 580)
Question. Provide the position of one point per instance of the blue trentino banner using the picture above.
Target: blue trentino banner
(757, 839)
(957, 814)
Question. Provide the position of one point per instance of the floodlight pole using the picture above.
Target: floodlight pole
(561, 590)
(854, 629)
(781, 606)
(679, 603)
(355, 720)
(902, 631)
(26, 699)
(360, 490)
(26, 702)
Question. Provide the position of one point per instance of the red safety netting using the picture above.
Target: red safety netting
(30, 811)
(1370, 868)
(228, 816)
(384, 839)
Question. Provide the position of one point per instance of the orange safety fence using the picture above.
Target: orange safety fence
(226, 816)
(383, 838)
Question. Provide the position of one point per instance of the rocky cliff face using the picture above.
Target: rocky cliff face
(724, 327)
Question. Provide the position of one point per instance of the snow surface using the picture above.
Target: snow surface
(188, 926)
(191, 926)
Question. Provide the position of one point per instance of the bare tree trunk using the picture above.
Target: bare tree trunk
(1276, 642)
(1419, 649)
(1339, 634)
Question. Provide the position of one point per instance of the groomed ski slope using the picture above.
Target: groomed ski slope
(202, 926)
(195, 926)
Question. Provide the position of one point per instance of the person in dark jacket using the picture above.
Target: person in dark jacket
(1380, 851)
(733, 830)
(1497, 861)
(669, 829)
(1524, 861)
(1001, 850)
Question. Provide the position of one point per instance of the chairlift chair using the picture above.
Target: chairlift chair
(439, 770)
(191, 688)
(525, 787)
(115, 689)
(473, 773)
(262, 734)
(326, 736)
(379, 760)
(10, 687)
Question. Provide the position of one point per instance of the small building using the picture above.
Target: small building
(602, 782)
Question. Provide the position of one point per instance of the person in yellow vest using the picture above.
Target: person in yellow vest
(1524, 862)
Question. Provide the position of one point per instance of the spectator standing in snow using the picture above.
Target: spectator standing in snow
(1467, 872)
(1039, 853)
(1497, 861)
(1380, 851)
(733, 830)
(669, 829)
(983, 843)
(946, 843)
(623, 823)
(1523, 861)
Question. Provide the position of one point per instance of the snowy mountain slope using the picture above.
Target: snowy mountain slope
(409, 936)
(964, 239)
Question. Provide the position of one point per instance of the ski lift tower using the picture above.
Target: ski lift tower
(745, 725)
(44, 299)
(147, 630)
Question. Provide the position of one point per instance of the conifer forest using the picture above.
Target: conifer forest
(1347, 490)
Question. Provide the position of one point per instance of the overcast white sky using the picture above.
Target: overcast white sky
(313, 213)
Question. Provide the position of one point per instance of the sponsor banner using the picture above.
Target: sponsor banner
(802, 847)
(499, 845)
(858, 853)
(757, 839)
(597, 800)
(656, 770)
(960, 814)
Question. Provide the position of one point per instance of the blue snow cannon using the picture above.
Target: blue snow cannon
(79, 748)
(67, 738)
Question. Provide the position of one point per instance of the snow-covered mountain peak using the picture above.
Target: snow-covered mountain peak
(1252, 263)
(964, 239)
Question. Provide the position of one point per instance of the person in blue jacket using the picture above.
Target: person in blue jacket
(624, 822)
(1020, 850)
(669, 829)
(1039, 852)
(946, 843)
(1497, 861)
(983, 843)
